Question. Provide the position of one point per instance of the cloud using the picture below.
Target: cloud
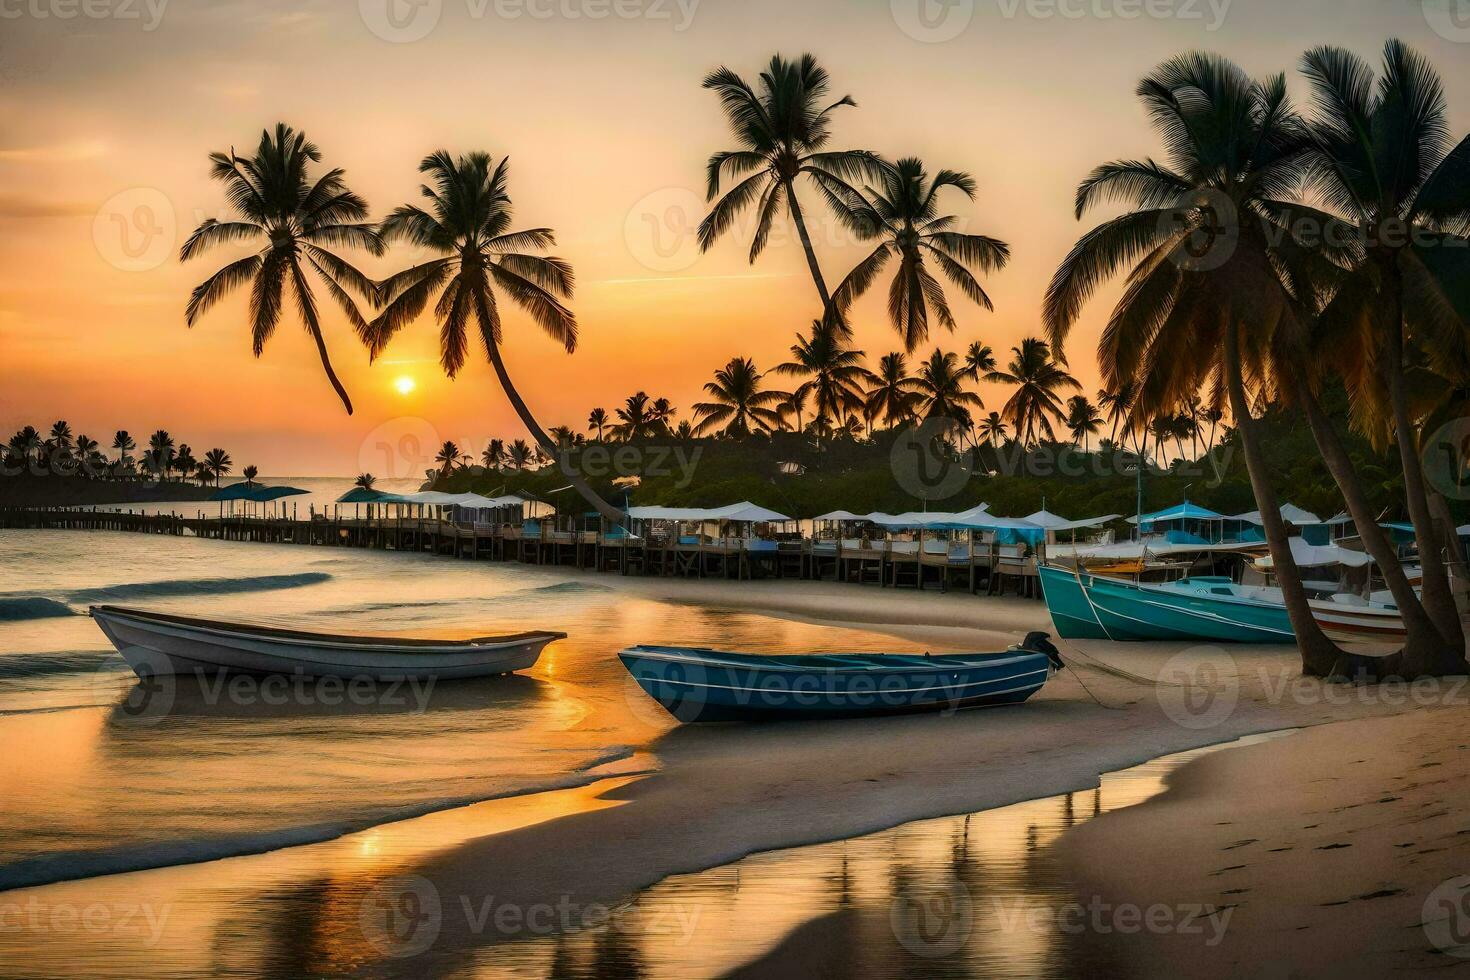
(59, 153)
(16, 206)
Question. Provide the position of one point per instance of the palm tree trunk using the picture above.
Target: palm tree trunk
(1320, 655)
(806, 244)
(1425, 651)
(1439, 600)
(604, 508)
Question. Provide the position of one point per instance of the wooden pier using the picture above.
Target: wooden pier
(965, 566)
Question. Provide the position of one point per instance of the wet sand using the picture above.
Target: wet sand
(1342, 851)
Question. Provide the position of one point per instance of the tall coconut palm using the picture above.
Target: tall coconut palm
(124, 443)
(296, 220)
(662, 411)
(979, 360)
(1116, 403)
(86, 454)
(467, 221)
(782, 130)
(1382, 158)
(493, 454)
(793, 403)
(161, 445)
(449, 457)
(1082, 420)
(218, 463)
(942, 394)
(894, 394)
(1202, 302)
(738, 405)
(1036, 402)
(184, 460)
(903, 212)
(519, 454)
(834, 373)
(635, 418)
(993, 429)
(597, 421)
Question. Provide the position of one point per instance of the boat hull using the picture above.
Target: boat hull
(155, 646)
(1087, 606)
(709, 686)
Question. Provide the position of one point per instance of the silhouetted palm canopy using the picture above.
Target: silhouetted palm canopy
(1082, 419)
(903, 211)
(782, 128)
(297, 221)
(834, 373)
(941, 388)
(636, 418)
(894, 394)
(738, 405)
(1035, 403)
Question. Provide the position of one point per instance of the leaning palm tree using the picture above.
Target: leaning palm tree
(942, 394)
(597, 421)
(782, 131)
(467, 221)
(218, 462)
(1036, 402)
(1082, 420)
(894, 394)
(1382, 158)
(903, 212)
(834, 373)
(296, 220)
(124, 444)
(1203, 302)
(738, 405)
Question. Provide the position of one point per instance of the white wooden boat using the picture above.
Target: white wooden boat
(157, 643)
(1350, 618)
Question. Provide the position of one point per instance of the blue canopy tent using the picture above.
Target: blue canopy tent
(257, 493)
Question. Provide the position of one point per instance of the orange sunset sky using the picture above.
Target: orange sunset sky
(109, 108)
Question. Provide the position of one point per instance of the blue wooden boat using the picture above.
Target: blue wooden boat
(1086, 606)
(696, 684)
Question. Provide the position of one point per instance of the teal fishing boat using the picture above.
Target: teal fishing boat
(1086, 606)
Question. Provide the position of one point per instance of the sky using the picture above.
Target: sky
(109, 109)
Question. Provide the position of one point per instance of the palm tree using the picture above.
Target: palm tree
(364, 481)
(635, 418)
(663, 414)
(597, 421)
(793, 403)
(834, 374)
(467, 222)
(184, 461)
(979, 360)
(124, 444)
(250, 473)
(563, 435)
(738, 406)
(1035, 403)
(1203, 301)
(296, 221)
(782, 132)
(25, 447)
(218, 462)
(1381, 157)
(942, 394)
(993, 429)
(448, 457)
(1082, 419)
(87, 455)
(903, 211)
(894, 394)
(519, 454)
(493, 455)
(1117, 403)
(161, 446)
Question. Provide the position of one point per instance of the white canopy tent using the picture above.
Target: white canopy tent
(1319, 555)
(1053, 522)
(743, 512)
(1290, 513)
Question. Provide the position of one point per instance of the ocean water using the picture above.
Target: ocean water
(97, 782)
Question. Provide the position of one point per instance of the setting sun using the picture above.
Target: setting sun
(404, 385)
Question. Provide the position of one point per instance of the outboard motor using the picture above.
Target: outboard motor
(1039, 642)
